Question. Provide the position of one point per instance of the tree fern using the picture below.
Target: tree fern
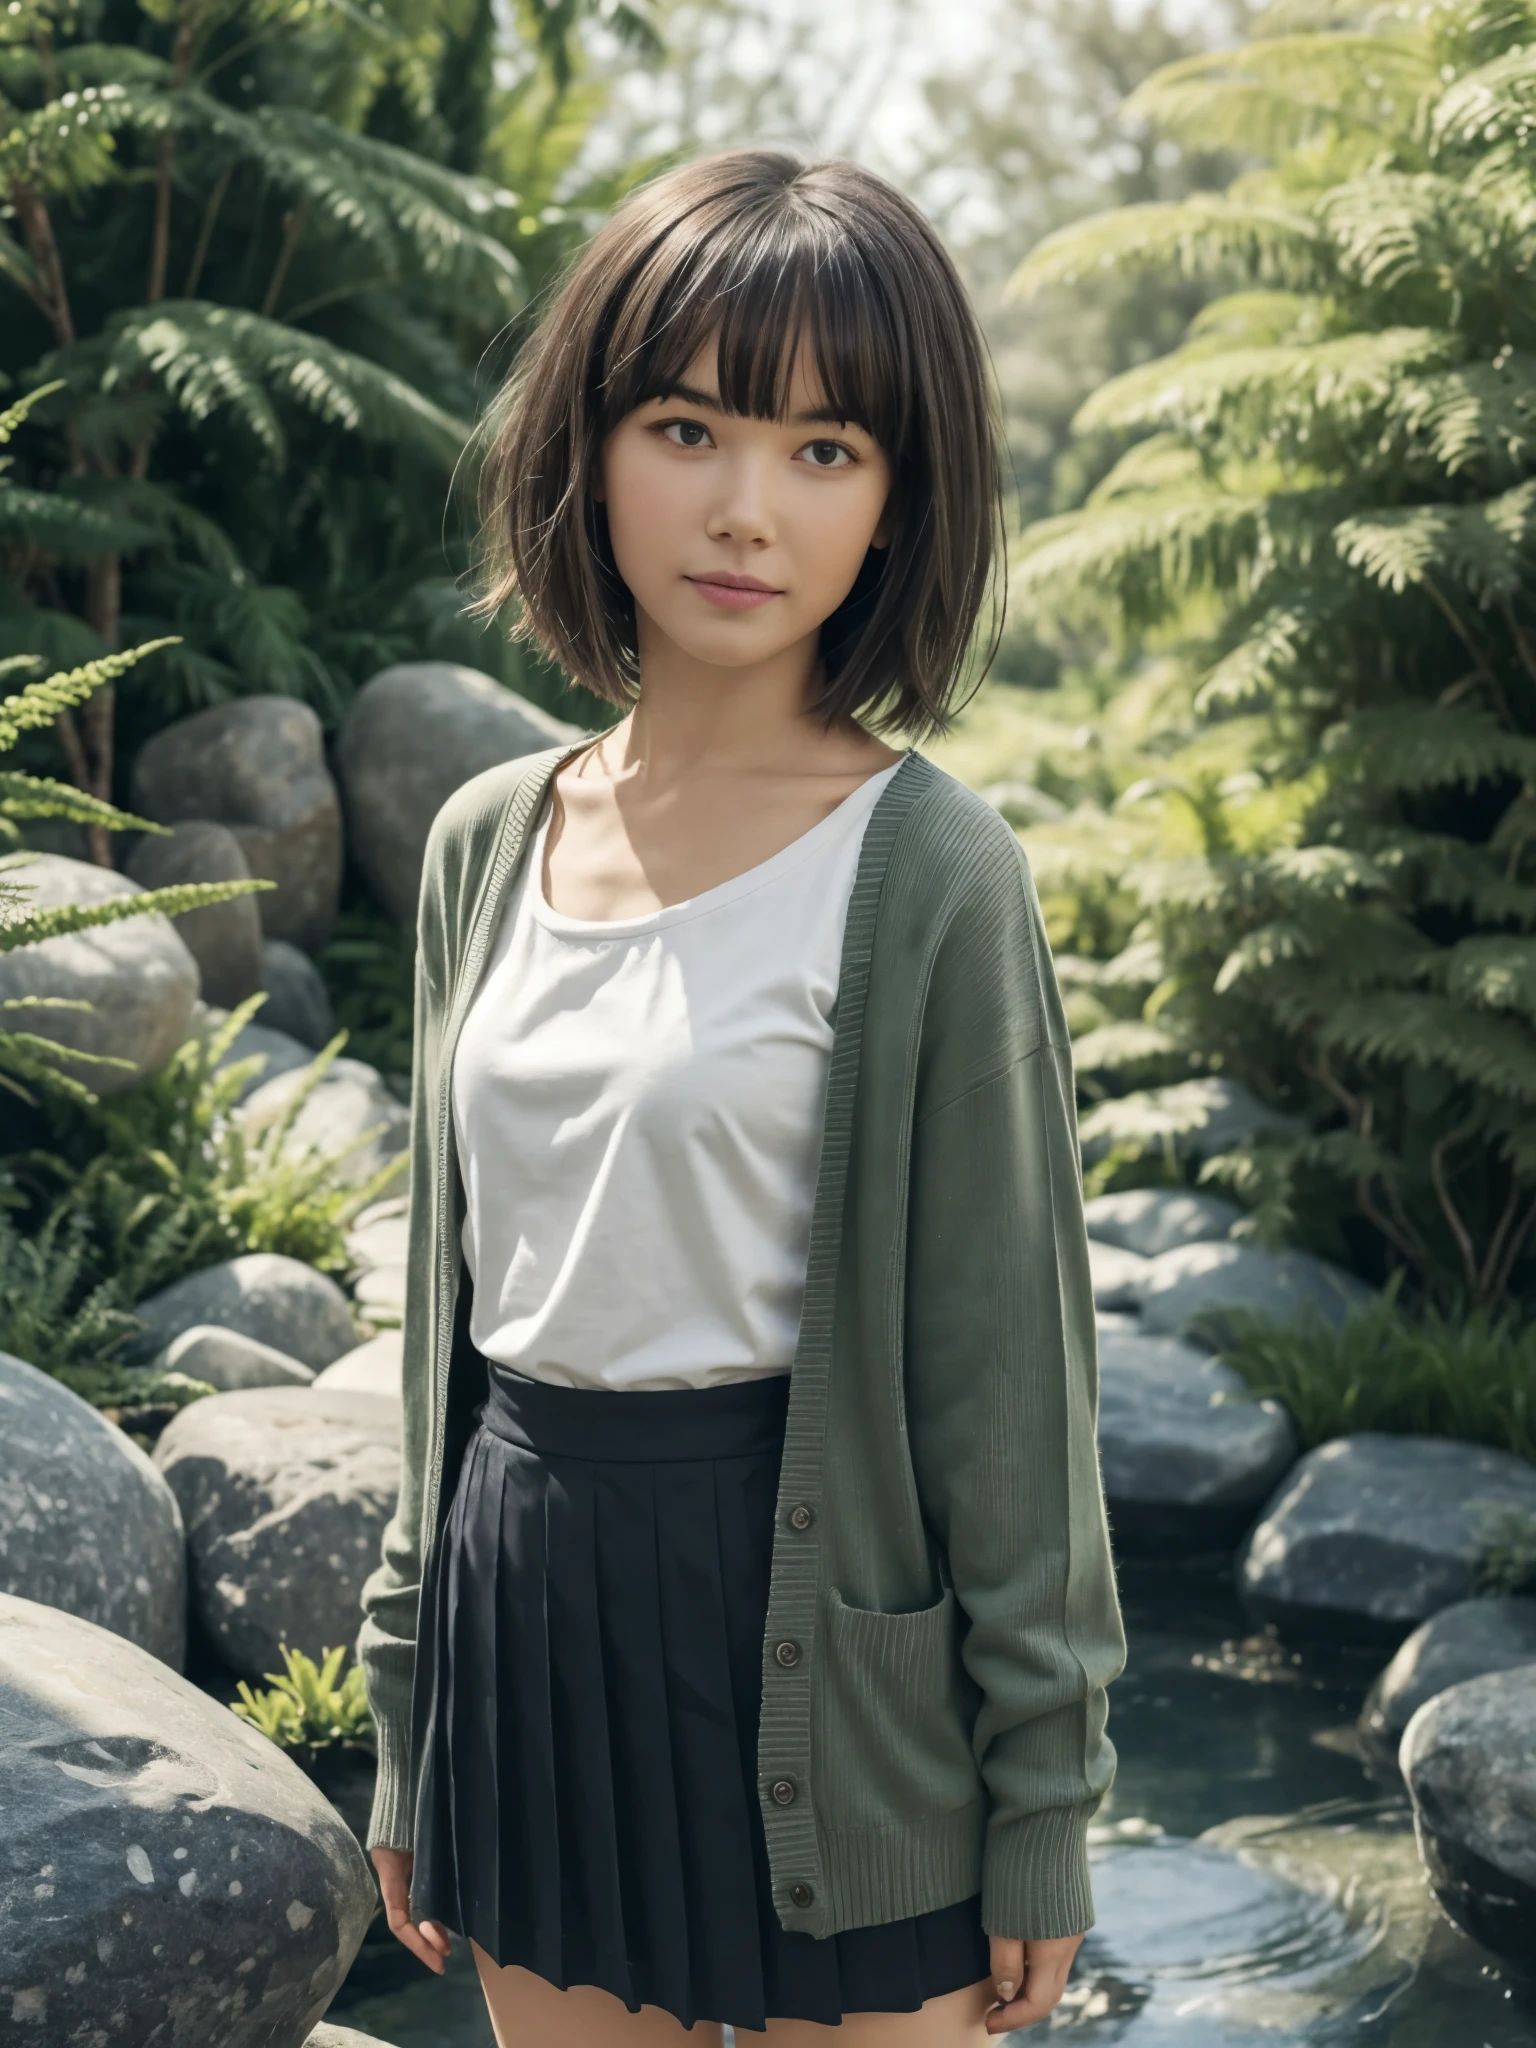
(1342, 458)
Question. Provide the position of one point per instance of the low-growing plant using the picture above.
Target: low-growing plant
(311, 1707)
(168, 1181)
(370, 969)
(53, 1318)
(1469, 1375)
(1507, 1563)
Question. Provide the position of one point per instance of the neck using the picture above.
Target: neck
(695, 715)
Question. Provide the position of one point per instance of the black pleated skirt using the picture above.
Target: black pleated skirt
(590, 1670)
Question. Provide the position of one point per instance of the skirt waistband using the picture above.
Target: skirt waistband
(742, 1418)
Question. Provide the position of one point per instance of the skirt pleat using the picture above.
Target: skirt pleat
(591, 1648)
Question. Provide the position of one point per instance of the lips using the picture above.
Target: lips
(734, 593)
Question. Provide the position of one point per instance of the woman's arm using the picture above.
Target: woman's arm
(1002, 1391)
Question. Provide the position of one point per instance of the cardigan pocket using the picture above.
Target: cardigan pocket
(904, 1707)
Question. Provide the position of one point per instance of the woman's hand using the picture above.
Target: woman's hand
(428, 1942)
(1029, 1978)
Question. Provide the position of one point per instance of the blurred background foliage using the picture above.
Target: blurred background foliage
(1257, 282)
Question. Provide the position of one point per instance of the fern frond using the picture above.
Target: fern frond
(1495, 103)
(1269, 96)
(64, 918)
(1496, 973)
(1200, 386)
(1141, 549)
(1487, 547)
(209, 357)
(1479, 417)
(65, 527)
(40, 796)
(1417, 747)
(40, 703)
(1202, 236)
(1433, 1031)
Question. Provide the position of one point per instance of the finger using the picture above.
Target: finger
(1038, 2000)
(413, 1938)
(437, 1935)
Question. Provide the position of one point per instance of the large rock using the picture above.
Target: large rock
(412, 736)
(167, 1875)
(86, 1522)
(1469, 1756)
(1117, 1275)
(1198, 1119)
(328, 2036)
(285, 1492)
(223, 938)
(349, 1112)
(1152, 1220)
(297, 999)
(225, 1360)
(256, 765)
(1458, 1643)
(373, 1368)
(381, 1235)
(1372, 1534)
(1188, 1456)
(1199, 1280)
(138, 976)
(276, 1300)
(279, 1054)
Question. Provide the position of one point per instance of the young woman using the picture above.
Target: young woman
(740, 1647)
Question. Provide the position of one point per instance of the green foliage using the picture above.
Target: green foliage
(1332, 515)
(369, 968)
(1471, 1376)
(260, 252)
(311, 1707)
(163, 1180)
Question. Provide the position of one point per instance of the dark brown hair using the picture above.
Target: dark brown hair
(760, 249)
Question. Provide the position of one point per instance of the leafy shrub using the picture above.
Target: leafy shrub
(1332, 491)
(51, 1317)
(1468, 1376)
(164, 1180)
(311, 1707)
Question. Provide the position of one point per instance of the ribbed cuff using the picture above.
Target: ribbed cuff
(392, 1822)
(1034, 1881)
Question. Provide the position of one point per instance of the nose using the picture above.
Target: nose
(742, 511)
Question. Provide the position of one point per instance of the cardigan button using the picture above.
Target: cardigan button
(783, 1790)
(800, 1895)
(800, 1516)
(786, 1654)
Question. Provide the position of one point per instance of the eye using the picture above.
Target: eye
(686, 433)
(827, 454)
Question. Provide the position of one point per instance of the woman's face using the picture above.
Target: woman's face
(737, 537)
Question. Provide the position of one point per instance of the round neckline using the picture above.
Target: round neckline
(706, 900)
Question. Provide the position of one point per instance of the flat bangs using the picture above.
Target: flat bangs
(764, 289)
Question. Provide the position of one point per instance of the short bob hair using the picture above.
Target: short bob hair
(760, 250)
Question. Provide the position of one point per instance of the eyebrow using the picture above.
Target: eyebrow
(707, 401)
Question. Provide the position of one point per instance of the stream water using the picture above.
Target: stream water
(1253, 1887)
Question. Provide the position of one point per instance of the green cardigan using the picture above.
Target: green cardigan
(942, 1619)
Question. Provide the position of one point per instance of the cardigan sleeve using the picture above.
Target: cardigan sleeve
(1002, 1392)
(386, 1645)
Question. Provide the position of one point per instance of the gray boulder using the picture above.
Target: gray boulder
(1460, 1642)
(1372, 1534)
(1153, 1220)
(1118, 1276)
(278, 1301)
(350, 1112)
(327, 2036)
(1469, 1756)
(284, 1492)
(1188, 1456)
(412, 736)
(1198, 1119)
(380, 1235)
(373, 1368)
(1201, 1279)
(298, 1002)
(167, 1875)
(86, 1522)
(223, 938)
(256, 765)
(227, 1361)
(139, 977)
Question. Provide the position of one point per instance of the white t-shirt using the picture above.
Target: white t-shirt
(638, 1107)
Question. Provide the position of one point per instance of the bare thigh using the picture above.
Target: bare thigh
(954, 2021)
(527, 2012)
